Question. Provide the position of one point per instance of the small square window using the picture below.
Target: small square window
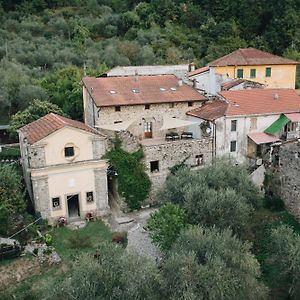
(252, 73)
(154, 166)
(199, 160)
(171, 105)
(147, 106)
(268, 72)
(190, 103)
(233, 125)
(240, 73)
(69, 151)
(233, 146)
(89, 197)
(118, 108)
(56, 202)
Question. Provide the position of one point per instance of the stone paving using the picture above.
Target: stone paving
(138, 238)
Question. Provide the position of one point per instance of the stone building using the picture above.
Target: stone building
(243, 124)
(63, 169)
(152, 110)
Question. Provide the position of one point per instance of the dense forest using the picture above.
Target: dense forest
(46, 46)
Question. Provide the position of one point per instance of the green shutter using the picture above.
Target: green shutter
(252, 73)
(277, 125)
(268, 72)
(240, 73)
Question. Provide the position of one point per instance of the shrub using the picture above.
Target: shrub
(120, 238)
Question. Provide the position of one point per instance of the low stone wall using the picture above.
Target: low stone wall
(169, 154)
(289, 174)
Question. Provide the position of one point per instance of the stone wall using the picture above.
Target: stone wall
(41, 196)
(169, 154)
(139, 115)
(36, 155)
(101, 192)
(289, 174)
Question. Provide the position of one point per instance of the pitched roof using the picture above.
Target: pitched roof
(133, 90)
(230, 84)
(210, 110)
(251, 57)
(41, 128)
(198, 71)
(261, 101)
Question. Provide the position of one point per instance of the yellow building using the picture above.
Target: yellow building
(63, 168)
(256, 65)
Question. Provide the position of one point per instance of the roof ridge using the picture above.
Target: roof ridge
(58, 117)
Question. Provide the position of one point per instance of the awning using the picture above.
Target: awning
(117, 126)
(277, 125)
(169, 123)
(262, 138)
(294, 117)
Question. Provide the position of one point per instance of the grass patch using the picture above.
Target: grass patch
(73, 242)
(68, 243)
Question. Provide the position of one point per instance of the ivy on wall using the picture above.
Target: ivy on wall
(133, 182)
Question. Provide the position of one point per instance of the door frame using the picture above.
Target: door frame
(79, 204)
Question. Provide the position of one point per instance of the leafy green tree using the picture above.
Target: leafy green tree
(64, 90)
(165, 225)
(211, 264)
(12, 201)
(133, 182)
(113, 274)
(285, 259)
(34, 111)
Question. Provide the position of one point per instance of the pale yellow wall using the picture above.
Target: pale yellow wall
(282, 76)
(75, 182)
(64, 181)
(56, 142)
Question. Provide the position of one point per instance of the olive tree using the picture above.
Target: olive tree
(211, 264)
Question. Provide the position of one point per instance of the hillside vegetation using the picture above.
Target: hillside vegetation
(46, 45)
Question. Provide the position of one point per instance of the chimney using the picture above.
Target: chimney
(276, 97)
(136, 76)
(179, 82)
(192, 67)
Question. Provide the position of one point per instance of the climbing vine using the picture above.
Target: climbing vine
(133, 182)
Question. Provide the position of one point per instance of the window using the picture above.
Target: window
(233, 125)
(199, 160)
(154, 166)
(190, 103)
(56, 202)
(171, 105)
(240, 73)
(253, 124)
(69, 151)
(147, 106)
(118, 108)
(268, 72)
(252, 73)
(89, 197)
(233, 146)
(117, 122)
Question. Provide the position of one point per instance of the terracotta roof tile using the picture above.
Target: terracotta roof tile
(251, 57)
(112, 91)
(198, 71)
(230, 84)
(261, 101)
(210, 110)
(48, 124)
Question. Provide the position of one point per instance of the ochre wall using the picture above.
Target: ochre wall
(282, 76)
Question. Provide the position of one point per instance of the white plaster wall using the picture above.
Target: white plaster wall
(140, 115)
(225, 135)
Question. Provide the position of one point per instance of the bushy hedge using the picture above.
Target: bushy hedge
(133, 182)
